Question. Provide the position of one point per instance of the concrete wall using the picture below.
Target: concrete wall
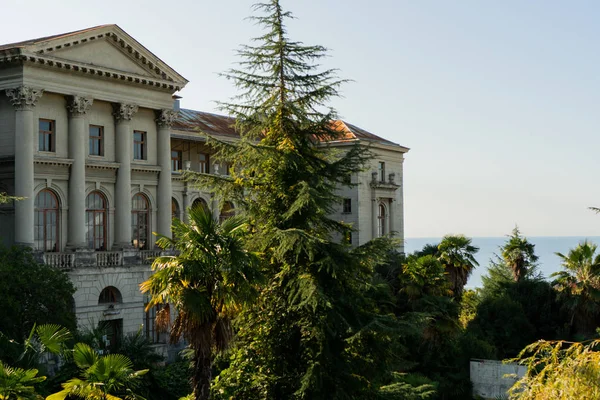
(492, 379)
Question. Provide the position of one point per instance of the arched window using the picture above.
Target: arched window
(226, 211)
(174, 209)
(95, 221)
(381, 220)
(109, 295)
(140, 222)
(200, 202)
(46, 221)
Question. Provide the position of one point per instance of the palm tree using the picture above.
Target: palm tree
(519, 255)
(18, 383)
(580, 285)
(207, 282)
(109, 377)
(458, 256)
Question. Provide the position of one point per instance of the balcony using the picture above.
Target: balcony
(98, 259)
(384, 182)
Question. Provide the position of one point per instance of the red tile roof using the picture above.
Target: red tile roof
(213, 124)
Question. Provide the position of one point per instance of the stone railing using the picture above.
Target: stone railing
(149, 255)
(59, 260)
(109, 259)
(100, 259)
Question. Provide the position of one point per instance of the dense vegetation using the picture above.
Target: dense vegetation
(273, 305)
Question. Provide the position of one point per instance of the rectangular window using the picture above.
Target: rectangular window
(139, 145)
(46, 135)
(347, 209)
(381, 171)
(176, 161)
(204, 163)
(96, 138)
(227, 169)
(152, 333)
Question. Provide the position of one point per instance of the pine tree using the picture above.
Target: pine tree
(314, 333)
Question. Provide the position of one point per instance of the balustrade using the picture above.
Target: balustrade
(59, 260)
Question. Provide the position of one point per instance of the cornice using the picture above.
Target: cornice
(102, 165)
(155, 169)
(89, 69)
(53, 161)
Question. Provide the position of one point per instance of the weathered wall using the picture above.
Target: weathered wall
(491, 379)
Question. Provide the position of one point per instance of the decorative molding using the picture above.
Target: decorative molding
(67, 162)
(78, 105)
(123, 111)
(102, 165)
(165, 117)
(155, 169)
(24, 97)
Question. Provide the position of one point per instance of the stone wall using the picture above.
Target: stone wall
(492, 379)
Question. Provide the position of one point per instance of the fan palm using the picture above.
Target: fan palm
(18, 383)
(458, 256)
(580, 285)
(207, 281)
(109, 377)
(519, 255)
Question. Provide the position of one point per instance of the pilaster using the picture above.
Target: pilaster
(24, 99)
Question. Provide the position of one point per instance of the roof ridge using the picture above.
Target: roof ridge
(24, 43)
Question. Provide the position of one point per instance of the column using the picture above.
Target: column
(186, 206)
(164, 120)
(391, 224)
(24, 98)
(124, 139)
(374, 213)
(78, 138)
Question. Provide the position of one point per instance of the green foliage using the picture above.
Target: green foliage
(457, 254)
(102, 377)
(32, 294)
(579, 286)
(519, 255)
(171, 382)
(408, 387)
(18, 383)
(208, 280)
(559, 370)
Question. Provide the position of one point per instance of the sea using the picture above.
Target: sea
(545, 248)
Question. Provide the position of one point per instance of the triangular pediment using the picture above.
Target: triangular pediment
(102, 53)
(105, 50)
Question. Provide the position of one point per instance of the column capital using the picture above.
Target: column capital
(24, 97)
(165, 117)
(78, 105)
(123, 111)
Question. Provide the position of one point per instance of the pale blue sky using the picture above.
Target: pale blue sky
(498, 101)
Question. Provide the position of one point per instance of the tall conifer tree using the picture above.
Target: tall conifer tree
(312, 333)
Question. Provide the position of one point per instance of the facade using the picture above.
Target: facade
(92, 139)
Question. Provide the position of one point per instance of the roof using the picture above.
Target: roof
(48, 38)
(44, 51)
(200, 122)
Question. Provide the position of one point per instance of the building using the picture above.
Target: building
(91, 137)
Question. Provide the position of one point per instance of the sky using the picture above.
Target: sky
(498, 101)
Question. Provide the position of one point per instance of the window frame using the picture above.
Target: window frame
(94, 213)
(143, 146)
(43, 214)
(381, 171)
(381, 220)
(347, 206)
(51, 134)
(99, 139)
(177, 161)
(136, 225)
(204, 165)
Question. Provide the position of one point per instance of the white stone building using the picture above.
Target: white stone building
(91, 137)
